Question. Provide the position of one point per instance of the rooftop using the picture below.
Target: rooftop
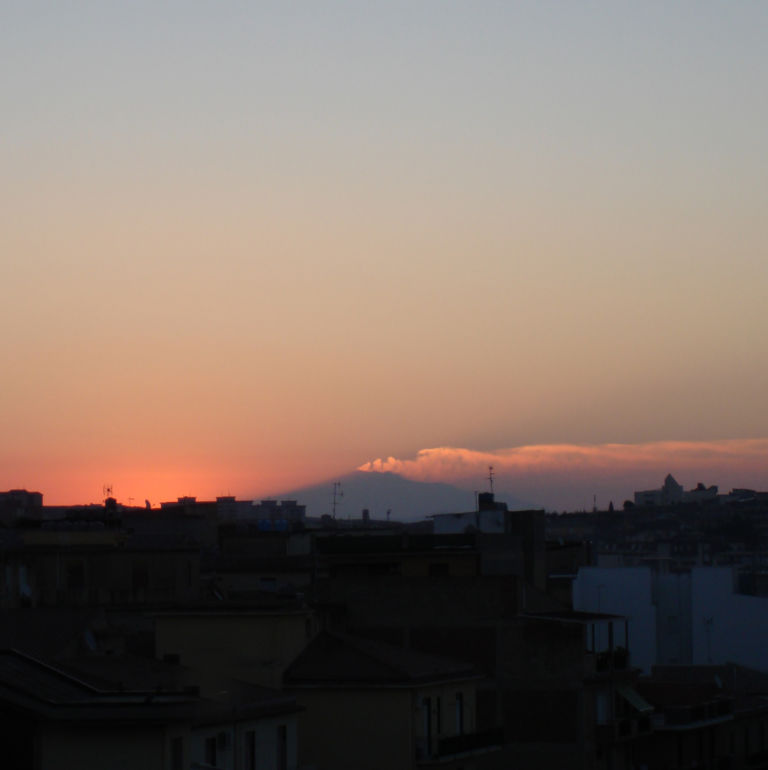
(341, 660)
(574, 616)
(118, 688)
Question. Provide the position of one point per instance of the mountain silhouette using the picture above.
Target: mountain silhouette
(381, 492)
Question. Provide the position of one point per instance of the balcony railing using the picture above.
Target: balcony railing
(622, 729)
(721, 708)
(460, 744)
(614, 660)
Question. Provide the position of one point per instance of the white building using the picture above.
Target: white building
(691, 617)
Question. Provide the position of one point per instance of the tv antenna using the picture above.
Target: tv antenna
(107, 490)
(337, 493)
(490, 477)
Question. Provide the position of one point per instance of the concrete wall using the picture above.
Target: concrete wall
(726, 626)
(346, 730)
(455, 565)
(253, 647)
(438, 601)
(672, 597)
(378, 729)
(118, 748)
(130, 747)
(106, 576)
(456, 523)
(231, 751)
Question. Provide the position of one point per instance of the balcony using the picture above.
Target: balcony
(612, 660)
(710, 712)
(623, 729)
(459, 745)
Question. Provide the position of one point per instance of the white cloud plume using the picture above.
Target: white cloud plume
(552, 472)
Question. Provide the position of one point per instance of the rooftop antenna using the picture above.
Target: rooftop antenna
(490, 477)
(107, 490)
(337, 493)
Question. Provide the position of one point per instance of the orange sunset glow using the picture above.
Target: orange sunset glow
(245, 250)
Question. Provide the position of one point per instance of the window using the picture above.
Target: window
(210, 751)
(282, 748)
(426, 708)
(250, 750)
(459, 713)
(601, 708)
(177, 754)
(140, 577)
(268, 584)
(76, 576)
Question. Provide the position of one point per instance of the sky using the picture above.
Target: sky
(249, 246)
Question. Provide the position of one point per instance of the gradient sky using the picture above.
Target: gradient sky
(245, 246)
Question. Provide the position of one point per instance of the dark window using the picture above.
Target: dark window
(165, 576)
(210, 751)
(76, 576)
(268, 584)
(250, 750)
(426, 705)
(177, 754)
(459, 713)
(282, 748)
(140, 577)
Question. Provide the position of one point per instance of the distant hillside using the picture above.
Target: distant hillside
(378, 492)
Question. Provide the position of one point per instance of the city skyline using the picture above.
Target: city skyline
(554, 477)
(247, 249)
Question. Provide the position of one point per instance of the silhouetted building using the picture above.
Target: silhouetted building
(20, 504)
(79, 716)
(370, 704)
(671, 492)
(707, 717)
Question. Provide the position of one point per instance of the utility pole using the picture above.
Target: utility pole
(337, 493)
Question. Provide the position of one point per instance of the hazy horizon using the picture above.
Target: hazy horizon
(556, 477)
